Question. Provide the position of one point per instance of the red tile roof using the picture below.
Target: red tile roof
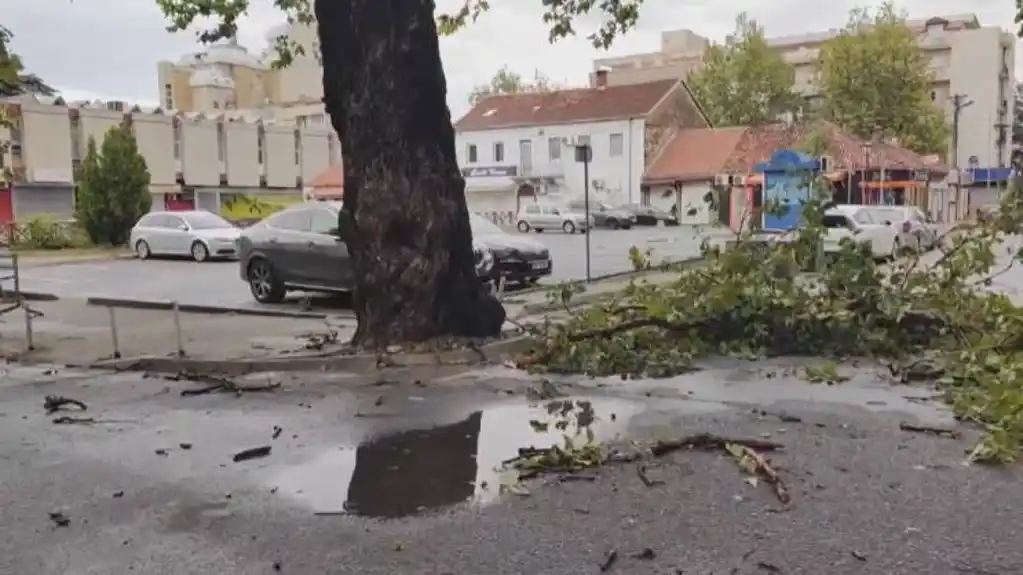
(701, 154)
(332, 177)
(565, 106)
(697, 154)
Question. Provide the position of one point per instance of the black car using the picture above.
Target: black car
(515, 258)
(299, 249)
(651, 216)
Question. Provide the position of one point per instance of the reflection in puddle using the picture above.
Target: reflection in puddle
(412, 471)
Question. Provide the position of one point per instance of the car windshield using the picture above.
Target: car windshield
(207, 221)
(482, 226)
(889, 214)
(833, 221)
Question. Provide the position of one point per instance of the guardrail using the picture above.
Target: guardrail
(11, 300)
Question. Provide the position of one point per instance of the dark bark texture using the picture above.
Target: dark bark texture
(405, 219)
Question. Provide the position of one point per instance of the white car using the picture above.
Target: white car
(198, 234)
(910, 223)
(539, 218)
(858, 224)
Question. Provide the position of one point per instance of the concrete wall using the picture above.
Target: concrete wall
(315, 156)
(279, 157)
(155, 137)
(95, 124)
(45, 143)
(242, 154)
(200, 159)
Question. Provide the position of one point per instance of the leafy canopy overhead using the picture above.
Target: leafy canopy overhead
(508, 82)
(743, 81)
(13, 80)
(875, 81)
(617, 17)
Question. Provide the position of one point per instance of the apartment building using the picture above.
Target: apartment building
(195, 160)
(965, 58)
(517, 148)
(227, 76)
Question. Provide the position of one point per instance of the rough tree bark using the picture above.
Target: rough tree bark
(405, 219)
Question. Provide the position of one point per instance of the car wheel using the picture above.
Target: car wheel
(200, 252)
(568, 227)
(523, 227)
(142, 250)
(612, 224)
(264, 284)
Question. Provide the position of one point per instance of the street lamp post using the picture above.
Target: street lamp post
(959, 101)
(584, 154)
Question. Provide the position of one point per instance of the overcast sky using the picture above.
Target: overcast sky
(108, 49)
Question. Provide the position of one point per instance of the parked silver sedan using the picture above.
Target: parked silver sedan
(198, 234)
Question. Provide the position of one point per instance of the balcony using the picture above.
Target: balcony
(542, 171)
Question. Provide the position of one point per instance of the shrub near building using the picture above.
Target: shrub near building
(113, 188)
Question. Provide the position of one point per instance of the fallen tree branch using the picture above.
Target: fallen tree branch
(53, 403)
(940, 431)
(709, 442)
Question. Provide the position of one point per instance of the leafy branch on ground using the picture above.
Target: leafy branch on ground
(932, 317)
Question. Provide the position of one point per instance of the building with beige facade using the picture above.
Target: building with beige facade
(965, 58)
(205, 161)
(226, 76)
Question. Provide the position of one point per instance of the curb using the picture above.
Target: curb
(126, 303)
(31, 295)
(661, 267)
(45, 262)
(494, 351)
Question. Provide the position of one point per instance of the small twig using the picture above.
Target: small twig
(609, 561)
(68, 420)
(763, 468)
(641, 471)
(940, 431)
(707, 442)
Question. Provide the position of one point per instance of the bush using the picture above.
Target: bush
(47, 233)
(113, 188)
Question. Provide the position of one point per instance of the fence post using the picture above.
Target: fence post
(113, 332)
(29, 338)
(177, 329)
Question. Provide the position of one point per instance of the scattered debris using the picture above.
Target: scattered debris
(54, 403)
(59, 519)
(939, 431)
(827, 374)
(859, 556)
(647, 554)
(277, 432)
(251, 453)
(185, 446)
(277, 566)
(118, 494)
(68, 420)
(783, 417)
(216, 384)
(768, 567)
(609, 561)
(162, 452)
(757, 466)
(641, 470)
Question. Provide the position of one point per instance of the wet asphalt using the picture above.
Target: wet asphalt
(218, 283)
(396, 474)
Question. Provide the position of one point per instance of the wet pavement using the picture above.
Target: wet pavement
(218, 283)
(401, 474)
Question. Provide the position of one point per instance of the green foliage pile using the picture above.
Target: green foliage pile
(929, 317)
(47, 233)
(113, 188)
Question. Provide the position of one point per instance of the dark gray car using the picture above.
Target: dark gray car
(605, 216)
(299, 249)
(650, 216)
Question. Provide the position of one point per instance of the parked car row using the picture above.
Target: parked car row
(573, 217)
(888, 230)
(299, 249)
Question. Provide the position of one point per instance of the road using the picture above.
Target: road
(217, 283)
(152, 487)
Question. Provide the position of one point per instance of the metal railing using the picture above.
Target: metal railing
(11, 300)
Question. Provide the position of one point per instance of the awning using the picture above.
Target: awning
(888, 184)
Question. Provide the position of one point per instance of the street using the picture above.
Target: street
(218, 283)
(400, 478)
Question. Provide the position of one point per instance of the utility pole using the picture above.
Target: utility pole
(959, 101)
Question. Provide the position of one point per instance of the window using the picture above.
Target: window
(617, 145)
(207, 221)
(863, 217)
(216, 105)
(173, 222)
(291, 220)
(470, 154)
(498, 151)
(324, 222)
(582, 141)
(177, 140)
(835, 222)
(260, 144)
(533, 209)
(934, 95)
(168, 96)
(554, 145)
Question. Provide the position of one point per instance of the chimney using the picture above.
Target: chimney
(602, 77)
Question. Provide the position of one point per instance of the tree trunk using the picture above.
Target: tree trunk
(405, 219)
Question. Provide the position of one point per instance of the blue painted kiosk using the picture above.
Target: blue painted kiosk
(787, 177)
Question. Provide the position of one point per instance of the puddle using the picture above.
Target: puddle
(405, 473)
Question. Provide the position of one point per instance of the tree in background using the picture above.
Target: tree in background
(874, 81)
(113, 188)
(405, 220)
(13, 80)
(508, 82)
(743, 81)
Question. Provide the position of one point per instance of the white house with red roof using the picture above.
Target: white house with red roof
(520, 147)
